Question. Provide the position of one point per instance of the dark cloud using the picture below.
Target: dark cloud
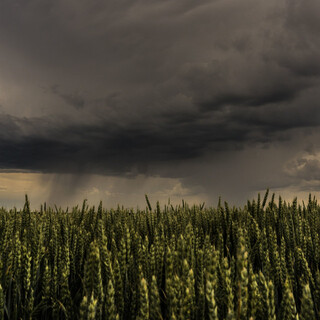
(106, 148)
(146, 86)
(135, 147)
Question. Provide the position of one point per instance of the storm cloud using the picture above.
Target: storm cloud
(143, 87)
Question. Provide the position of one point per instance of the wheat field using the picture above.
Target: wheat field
(184, 262)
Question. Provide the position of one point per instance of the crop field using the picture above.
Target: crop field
(185, 262)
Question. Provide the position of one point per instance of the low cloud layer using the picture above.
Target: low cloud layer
(109, 148)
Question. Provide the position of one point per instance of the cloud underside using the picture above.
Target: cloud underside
(104, 147)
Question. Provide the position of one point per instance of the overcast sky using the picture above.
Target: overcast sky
(109, 100)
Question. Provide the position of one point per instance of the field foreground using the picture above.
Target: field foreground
(185, 262)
